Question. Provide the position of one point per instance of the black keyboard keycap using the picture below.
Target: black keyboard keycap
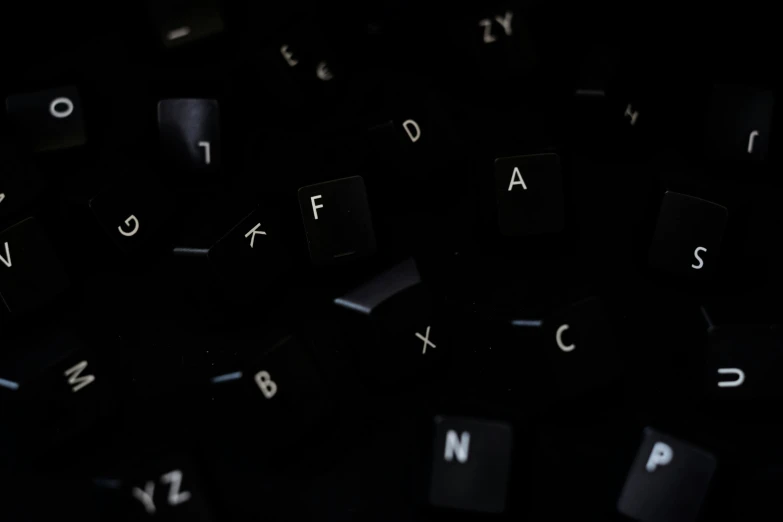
(337, 220)
(19, 183)
(580, 347)
(134, 213)
(289, 395)
(688, 236)
(529, 191)
(740, 124)
(181, 22)
(166, 489)
(471, 461)
(250, 256)
(64, 391)
(30, 273)
(190, 134)
(50, 119)
(395, 326)
(742, 363)
(668, 480)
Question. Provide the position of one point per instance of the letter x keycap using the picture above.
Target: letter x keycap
(426, 339)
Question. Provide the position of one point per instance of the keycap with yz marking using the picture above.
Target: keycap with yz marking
(169, 488)
(30, 273)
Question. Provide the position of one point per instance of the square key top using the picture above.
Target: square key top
(739, 124)
(580, 346)
(190, 134)
(688, 236)
(470, 464)
(668, 480)
(30, 273)
(742, 362)
(133, 213)
(250, 257)
(529, 191)
(337, 220)
(50, 119)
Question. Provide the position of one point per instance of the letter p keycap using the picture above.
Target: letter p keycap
(668, 480)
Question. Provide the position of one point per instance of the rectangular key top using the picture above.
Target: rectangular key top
(50, 119)
(742, 363)
(337, 220)
(181, 22)
(471, 461)
(580, 346)
(668, 480)
(529, 191)
(688, 236)
(739, 124)
(19, 183)
(190, 134)
(30, 273)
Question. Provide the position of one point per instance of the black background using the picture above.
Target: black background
(163, 324)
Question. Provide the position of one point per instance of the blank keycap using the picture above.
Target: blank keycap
(50, 119)
(688, 236)
(742, 363)
(337, 220)
(190, 134)
(667, 482)
(181, 22)
(471, 460)
(30, 273)
(580, 346)
(529, 191)
(739, 123)
(133, 213)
